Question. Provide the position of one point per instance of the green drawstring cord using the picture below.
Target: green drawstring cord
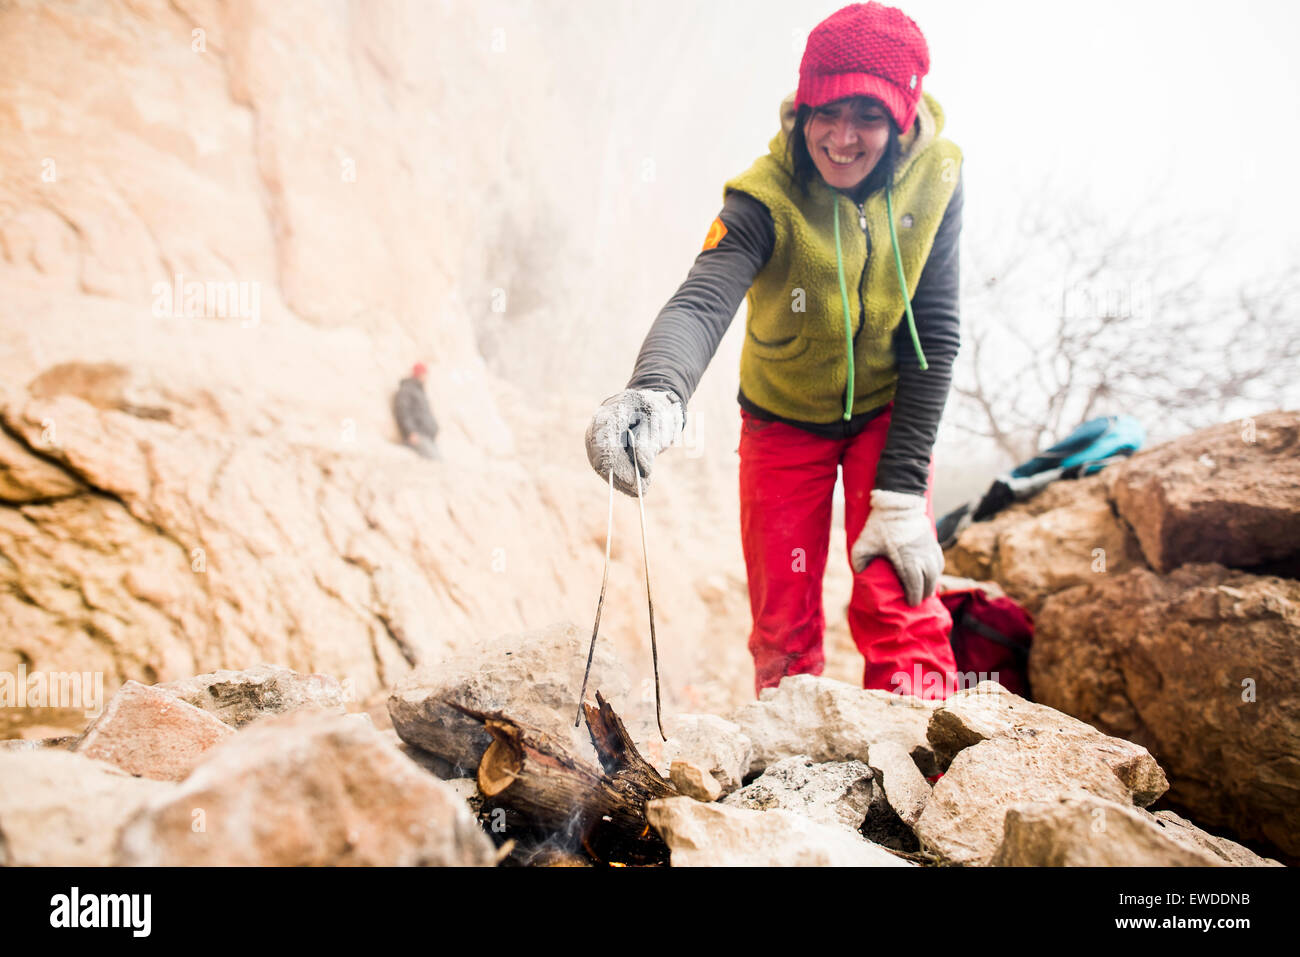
(902, 283)
(844, 299)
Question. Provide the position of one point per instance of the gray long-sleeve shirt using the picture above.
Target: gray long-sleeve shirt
(686, 333)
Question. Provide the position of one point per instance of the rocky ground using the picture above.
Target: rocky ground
(267, 767)
(1167, 612)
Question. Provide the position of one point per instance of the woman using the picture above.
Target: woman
(843, 240)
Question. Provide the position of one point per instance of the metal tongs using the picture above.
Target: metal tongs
(630, 445)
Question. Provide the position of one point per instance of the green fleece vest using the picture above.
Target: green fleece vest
(794, 361)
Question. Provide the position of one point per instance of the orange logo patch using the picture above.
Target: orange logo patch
(717, 230)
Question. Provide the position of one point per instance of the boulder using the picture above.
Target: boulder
(1228, 494)
(883, 825)
(1008, 752)
(242, 697)
(308, 788)
(1230, 852)
(835, 793)
(1082, 830)
(717, 835)
(1199, 667)
(1066, 535)
(710, 742)
(59, 809)
(534, 677)
(150, 733)
(827, 720)
(693, 781)
(899, 779)
(990, 711)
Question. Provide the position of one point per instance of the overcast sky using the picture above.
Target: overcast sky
(1190, 104)
(1194, 102)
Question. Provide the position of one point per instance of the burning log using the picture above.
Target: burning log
(543, 786)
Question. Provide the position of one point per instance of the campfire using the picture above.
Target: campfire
(563, 804)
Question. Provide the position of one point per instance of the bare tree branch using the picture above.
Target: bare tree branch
(1138, 329)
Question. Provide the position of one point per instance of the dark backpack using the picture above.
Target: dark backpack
(990, 637)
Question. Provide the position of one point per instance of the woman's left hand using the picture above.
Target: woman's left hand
(899, 529)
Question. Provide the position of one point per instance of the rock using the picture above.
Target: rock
(694, 781)
(883, 826)
(963, 819)
(990, 711)
(59, 809)
(710, 742)
(1230, 852)
(533, 677)
(828, 720)
(308, 788)
(1064, 536)
(836, 793)
(898, 778)
(1240, 479)
(150, 733)
(717, 835)
(1082, 830)
(1199, 667)
(242, 697)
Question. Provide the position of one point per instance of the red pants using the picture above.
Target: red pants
(787, 480)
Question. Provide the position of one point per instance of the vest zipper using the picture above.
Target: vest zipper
(851, 386)
(862, 221)
(851, 335)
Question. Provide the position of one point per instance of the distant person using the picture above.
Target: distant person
(414, 418)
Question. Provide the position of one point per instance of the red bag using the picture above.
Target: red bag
(990, 639)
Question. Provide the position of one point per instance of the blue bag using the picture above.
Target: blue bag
(1085, 451)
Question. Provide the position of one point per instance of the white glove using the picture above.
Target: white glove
(656, 419)
(899, 529)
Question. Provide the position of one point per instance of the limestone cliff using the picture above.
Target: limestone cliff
(226, 230)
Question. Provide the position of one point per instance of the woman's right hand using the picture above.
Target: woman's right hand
(655, 419)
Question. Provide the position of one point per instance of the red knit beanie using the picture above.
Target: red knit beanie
(866, 49)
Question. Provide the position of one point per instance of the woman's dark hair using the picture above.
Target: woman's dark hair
(805, 169)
